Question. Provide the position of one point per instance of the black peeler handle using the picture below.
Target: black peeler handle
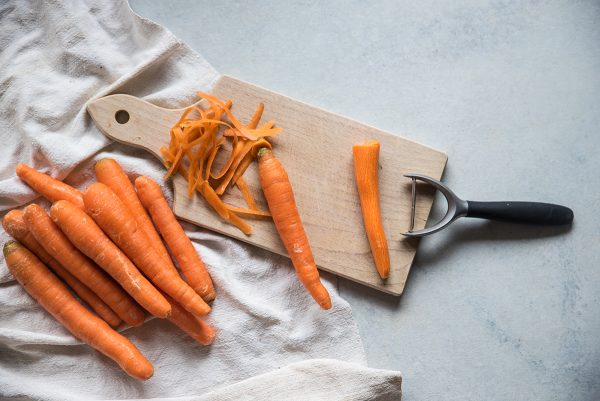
(521, 212)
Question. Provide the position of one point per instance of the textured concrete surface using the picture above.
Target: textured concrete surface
(511, 90)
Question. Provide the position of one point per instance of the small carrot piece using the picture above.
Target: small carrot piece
(253, 123)
(83, 232)
(366, 164)
(14, 225)
(221, 208)
(247, 212)
(242, 167)
(110, 173)
(118, 223)
(187, 258)
(50, 188)
(241, 150)
(278, 192)
(245, 190)
(194, 327)
(54, 297)
(60, 248)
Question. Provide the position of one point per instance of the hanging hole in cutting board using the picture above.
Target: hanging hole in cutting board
(122, 116)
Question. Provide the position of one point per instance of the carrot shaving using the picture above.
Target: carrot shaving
(244, 164)
(241, 150)
(198, 139)
(236, 147)
(240, 223)
(253, 123)
(248, 212)
(245, 190)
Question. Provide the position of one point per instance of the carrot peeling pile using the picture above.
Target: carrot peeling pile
(366, 164)
(196, 141)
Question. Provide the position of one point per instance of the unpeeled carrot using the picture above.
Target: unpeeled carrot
(110, 173)
(14, 224)
(54, 297)
(50, 188)
(366, 165)
(187, 258)
(60, 248)
(279, 195)
(117, 222)
(85, 234)
(194, 327)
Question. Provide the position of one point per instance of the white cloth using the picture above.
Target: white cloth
(55, 56)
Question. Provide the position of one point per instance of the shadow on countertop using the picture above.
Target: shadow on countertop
(442, 245)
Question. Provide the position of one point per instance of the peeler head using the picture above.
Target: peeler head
(456, 206)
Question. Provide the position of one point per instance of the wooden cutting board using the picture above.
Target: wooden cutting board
(316, 149)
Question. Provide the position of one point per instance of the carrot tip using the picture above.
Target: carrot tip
(9, 246)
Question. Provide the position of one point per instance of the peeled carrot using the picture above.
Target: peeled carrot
(60, 248)
(54, 297)
(85, 234)
(50, 188)
(118, 223)
(366, 164)
(14, 225)
(187, 258)
(194, 327)
(280, 198)
(110, 173)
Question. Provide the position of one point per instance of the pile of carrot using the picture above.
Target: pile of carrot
(110, 244)
(102, 245)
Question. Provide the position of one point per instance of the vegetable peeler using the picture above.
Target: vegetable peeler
(533, 213)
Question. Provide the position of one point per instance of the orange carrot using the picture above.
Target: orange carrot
(49, 187)
(187, 258)
(14, 225)
(83, 232)
(366, 164)
(118, 223)
(110, 173)
(60, 248)
(194, 327)
(280, 198)
(54, 297)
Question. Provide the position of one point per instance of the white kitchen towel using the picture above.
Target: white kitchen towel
(312, 380)
(55, 56)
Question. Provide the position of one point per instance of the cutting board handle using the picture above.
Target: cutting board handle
(133, 121)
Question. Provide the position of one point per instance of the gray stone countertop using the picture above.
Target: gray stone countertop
(511, 91)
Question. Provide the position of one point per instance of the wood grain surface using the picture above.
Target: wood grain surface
(316, 148)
